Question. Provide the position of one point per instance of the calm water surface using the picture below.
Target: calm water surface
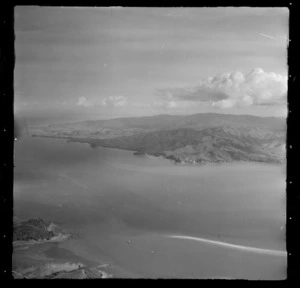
(123, 207)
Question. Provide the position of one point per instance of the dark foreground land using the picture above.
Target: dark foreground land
(32, 239)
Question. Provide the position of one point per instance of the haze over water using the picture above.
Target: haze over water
(147, 216)
(126, 210)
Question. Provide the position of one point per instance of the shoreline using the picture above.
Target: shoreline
(55, 239)
(53, 267)
(176, 162)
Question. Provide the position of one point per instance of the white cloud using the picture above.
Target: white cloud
(173, 104)
(115, 101)
(230, 90)
(111, 101)
(82, 101)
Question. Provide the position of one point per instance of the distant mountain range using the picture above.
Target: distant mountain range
(197, 138)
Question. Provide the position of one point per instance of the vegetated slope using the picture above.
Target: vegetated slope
(104, 129)
(28, 265)
(35, 229)
(208, 137)
(208, 145)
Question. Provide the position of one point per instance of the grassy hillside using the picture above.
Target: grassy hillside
(191, 138)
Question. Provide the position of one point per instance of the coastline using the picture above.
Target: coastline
(58, 238)
(175, 243)
(33, 259)
(175, 161)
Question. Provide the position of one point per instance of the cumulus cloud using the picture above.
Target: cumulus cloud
(110, 101)
(230, 90)
(173, 104)
(114, 101)
(82, 101)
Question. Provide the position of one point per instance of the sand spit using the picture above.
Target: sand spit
(229, 245)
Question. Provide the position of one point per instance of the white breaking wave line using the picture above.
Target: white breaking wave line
(265, 35)
(229, 245)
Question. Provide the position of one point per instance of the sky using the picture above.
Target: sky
(97, 63)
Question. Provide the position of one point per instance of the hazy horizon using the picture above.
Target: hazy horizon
(31, 122)
(196, 189)
(75, 64)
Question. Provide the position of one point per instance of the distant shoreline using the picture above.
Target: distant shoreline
(136, 153)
